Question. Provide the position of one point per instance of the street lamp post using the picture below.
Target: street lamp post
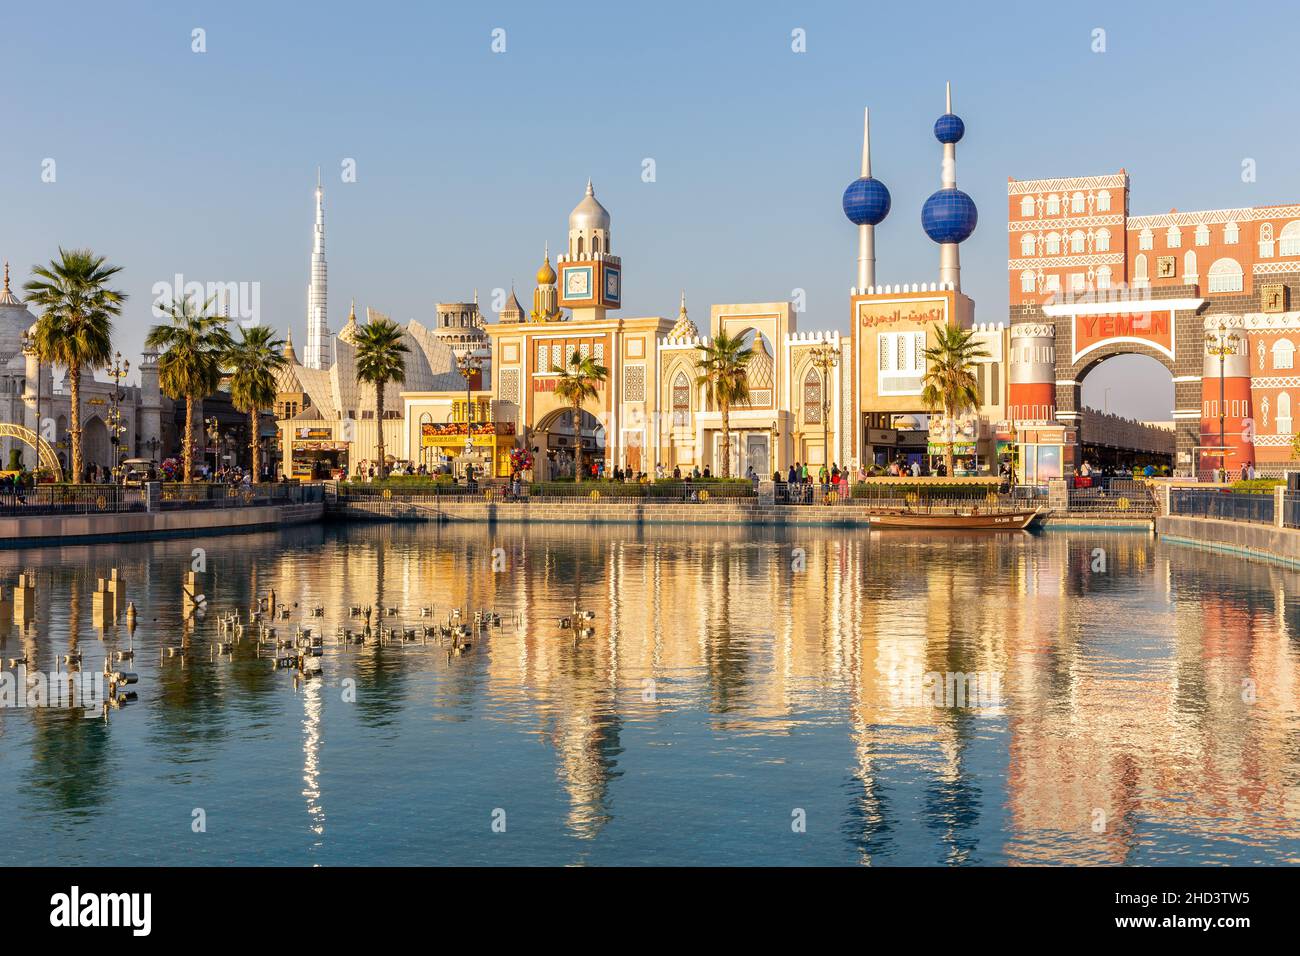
(119, 371)
(826, 358)
(29, 346)
(213, 433)
(468, 364)
(1216, 343)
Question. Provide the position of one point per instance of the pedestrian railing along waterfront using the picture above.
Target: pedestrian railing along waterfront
(71, 499)
(607, 492)
(58, 499)
(1222, 503)
(1114, 496)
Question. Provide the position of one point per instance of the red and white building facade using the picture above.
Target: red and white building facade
(1207, 294)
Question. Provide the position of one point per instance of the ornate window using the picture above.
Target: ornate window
(1053, 205)
(1053, 243)
(1283, 354)
(1103, 277)
(598, 352)
(543, 365)
(1102, 240)
(1225, 276)
(1266, 241)
(1078, 282)
(595, 245)
(1103, 201)
(1173, 238)
(902, 362)
(1140, 270)
(1189, 267)
(1027, 280)
(1202, 235)
(681, 400)
(1027, 244)
(1284, 413)
(1145, 239)
(812, 398)
(510, 385)
(1231, 234)
(1289, 239)
(1076, 203)
(1076, 240)
(1027, 206)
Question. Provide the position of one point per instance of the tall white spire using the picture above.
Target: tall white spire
(317, 354)
(866, 231)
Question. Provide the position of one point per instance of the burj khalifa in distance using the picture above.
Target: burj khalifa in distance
(318, 330)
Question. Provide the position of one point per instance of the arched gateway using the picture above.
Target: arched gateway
(44, 453)
(1055, 345)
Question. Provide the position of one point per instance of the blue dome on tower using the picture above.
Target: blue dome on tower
(949, 128)
(949, 215)
(866, 201)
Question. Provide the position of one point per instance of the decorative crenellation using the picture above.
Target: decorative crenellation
(590, 257)
(904, 288)
(1275, 268)
(988, 328)
(1018, 187)
(685, 342)
(812, 338)
(1211, 217)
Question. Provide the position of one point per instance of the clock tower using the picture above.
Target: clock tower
(591, 277)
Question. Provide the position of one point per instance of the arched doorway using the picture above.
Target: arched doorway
(1126, 404)
(556, 448)
(96, 449)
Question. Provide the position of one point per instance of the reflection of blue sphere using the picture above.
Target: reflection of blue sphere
(949, 215)
(949, 128)
(866, 201)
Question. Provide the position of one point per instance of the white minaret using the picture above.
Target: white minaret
(866, 204)
(317, 354)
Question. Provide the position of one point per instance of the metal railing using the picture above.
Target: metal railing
(1114, 496)
(501, 491)
(58, 499)
(1290, 509)
(215, 495)
(71, 499)
(1221, 503)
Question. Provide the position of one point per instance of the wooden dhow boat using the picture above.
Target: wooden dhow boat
(973, 518)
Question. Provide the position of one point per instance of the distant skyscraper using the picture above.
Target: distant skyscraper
(317, 354)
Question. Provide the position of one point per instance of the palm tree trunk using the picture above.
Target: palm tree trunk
(74, 429)
(577, 441)
(726, 440)
(379, 415)
(949, 456)
(187, 442)
(255, 447)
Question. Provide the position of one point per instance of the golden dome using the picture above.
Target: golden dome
(546, 275)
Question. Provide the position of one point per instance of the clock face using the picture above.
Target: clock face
(577, 283)
(611, 285)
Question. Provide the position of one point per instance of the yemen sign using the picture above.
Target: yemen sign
(1154, 329)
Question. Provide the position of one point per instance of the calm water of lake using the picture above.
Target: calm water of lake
(748, 698)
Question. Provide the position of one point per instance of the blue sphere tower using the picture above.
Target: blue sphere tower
(866, 204)
(949, 216)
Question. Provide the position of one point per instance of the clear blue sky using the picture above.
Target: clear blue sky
(467, 161)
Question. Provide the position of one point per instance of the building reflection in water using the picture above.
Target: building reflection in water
(1144, 690)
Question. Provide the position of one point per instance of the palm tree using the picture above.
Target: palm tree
(255, 359)
(724, 372)
(76, 328)
(380, 360)
(949, 383)
(578, 384)
(193, 349)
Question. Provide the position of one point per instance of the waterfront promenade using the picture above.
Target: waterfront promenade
(65, 514)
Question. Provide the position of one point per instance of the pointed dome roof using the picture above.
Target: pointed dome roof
(685, 327)
(289, 353)
(348, 333)
(6, 295)
(546, 275)
(589, 214)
